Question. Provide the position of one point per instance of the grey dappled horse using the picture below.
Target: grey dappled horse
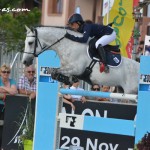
(74, 59)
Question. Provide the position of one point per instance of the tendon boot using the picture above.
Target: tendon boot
(102, 53)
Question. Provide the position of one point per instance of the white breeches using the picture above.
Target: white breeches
(106, 39)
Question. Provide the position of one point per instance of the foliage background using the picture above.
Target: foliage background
(12, 24)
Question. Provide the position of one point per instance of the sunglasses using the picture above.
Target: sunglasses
(95, 89)
(6, 72)
(30, 71)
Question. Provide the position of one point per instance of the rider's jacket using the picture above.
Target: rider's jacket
(91, 30)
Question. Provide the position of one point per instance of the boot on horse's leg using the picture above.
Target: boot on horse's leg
(102, 54)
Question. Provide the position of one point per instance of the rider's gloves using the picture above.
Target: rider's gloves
(67, 35)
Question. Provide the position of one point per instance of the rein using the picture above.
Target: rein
(42, 48)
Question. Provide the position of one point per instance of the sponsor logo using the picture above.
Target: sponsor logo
(71, 121)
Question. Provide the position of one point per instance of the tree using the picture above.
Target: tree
(144, 144)
(9, 3)
(12, 30)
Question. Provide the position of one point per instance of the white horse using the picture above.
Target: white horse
(74, 59)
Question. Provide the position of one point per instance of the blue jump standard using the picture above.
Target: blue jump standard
(109, 125)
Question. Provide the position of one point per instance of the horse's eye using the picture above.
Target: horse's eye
(30, 43)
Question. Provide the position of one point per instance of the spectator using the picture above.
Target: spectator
(75, 86)
(27, 82)
(104, 88)
(7, 85)
(140, 50)
(67, 98)
(94, 87)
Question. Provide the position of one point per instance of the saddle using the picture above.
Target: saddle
(113, 56)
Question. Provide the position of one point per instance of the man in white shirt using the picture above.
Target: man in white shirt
(75, 86)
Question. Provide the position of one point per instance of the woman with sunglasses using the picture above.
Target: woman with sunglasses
(95, 88)
(103, 88)
(7, 85)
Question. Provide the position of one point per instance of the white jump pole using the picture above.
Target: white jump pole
(100, 94)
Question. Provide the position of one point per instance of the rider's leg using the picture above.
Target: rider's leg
(102, 54)
(104, 40)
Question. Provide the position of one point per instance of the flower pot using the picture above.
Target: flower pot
(28, 144)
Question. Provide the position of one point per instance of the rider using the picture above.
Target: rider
(104, 35)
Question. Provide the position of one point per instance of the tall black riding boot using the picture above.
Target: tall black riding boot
(102, 54)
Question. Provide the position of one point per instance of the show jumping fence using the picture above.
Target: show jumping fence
(47, 105)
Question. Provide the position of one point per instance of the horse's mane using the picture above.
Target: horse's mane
(39, 26)
(59, 27)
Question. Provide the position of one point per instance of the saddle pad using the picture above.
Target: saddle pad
(113, 59)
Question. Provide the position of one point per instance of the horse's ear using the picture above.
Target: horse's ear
(28, 29)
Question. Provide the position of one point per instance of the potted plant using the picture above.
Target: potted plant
(27, 128)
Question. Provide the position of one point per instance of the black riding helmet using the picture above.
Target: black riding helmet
(75, 18)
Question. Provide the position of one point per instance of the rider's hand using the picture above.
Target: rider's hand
(83, 99)
(67, 35)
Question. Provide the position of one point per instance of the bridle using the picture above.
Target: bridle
(38, 41)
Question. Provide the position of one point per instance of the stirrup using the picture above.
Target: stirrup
(104, 68)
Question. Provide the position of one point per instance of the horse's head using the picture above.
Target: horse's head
(49, 38)
(31, 47)
(41, 39)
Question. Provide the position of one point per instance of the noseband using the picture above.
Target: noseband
(42, 48)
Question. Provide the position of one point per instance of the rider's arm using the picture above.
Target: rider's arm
(83, 39)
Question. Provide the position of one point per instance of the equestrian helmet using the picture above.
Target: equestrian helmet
(75, 18)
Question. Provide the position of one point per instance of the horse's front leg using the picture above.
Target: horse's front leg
(56, 75)
(69, 70)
